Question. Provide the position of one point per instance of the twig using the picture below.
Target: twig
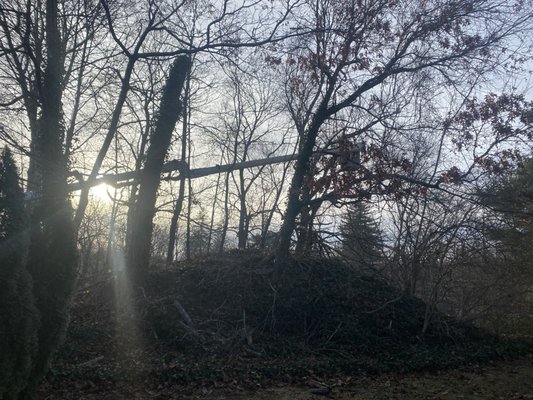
(190, 329)
(90, 362)
(183, 314)
(384, 305)
(319, 388)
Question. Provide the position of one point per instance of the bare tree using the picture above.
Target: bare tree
(359, 48)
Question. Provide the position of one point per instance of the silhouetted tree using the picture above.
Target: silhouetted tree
(52, 255)
(511, 197)
(140, 226)
(362, 244)
(19, 322)
(359, 52)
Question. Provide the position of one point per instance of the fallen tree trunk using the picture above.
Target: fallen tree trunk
(127, 178)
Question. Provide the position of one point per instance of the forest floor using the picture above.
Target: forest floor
(498, 380)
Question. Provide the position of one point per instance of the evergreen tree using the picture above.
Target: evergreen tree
(18, 316)
(361, 237)
(511, 197)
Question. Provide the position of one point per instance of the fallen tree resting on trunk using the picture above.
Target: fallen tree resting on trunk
(128, 178)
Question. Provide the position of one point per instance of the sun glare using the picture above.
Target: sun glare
(102, 192)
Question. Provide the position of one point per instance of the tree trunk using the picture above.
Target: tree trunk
(242, 233)
(294, 202)
(52, 253)
(173, 231)
(138, 167)
(225, 224)
(189, 206)
(304, 230)
(84, 195)
(213, 211)
(139, 233)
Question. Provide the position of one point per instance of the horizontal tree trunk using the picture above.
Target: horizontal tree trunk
(127, 178)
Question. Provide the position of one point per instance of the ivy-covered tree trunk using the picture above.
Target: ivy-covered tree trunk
(52, 253)
(173, 231)
(139, 235)
(19, 321)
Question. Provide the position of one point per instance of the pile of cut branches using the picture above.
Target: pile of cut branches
(233, 301)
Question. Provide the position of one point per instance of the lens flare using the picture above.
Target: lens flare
(127, 330)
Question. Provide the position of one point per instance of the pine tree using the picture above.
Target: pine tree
(361, 237)
(512, 198)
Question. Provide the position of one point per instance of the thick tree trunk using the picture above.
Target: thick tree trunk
(139, 233)
(34, 172)
(128, 178)
(138, 167)
(294, 202)
(52, 253)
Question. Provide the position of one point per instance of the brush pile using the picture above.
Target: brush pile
(229, 320)
(233, 302)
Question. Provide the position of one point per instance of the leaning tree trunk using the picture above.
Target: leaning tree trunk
(173, 231)
(140, 227)
(294, 203)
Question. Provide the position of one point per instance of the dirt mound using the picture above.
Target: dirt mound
(316, 306)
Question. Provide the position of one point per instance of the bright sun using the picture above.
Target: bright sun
(102, 192)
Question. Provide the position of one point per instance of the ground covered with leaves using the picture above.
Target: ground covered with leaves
(222, 327)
